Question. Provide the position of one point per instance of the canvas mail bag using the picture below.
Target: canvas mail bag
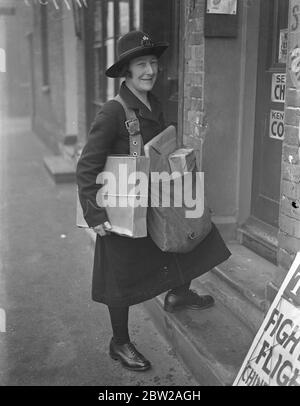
(127, 207)
(168, 219)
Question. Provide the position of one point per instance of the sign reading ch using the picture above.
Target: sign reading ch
(278, 87)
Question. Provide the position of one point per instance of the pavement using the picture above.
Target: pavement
(55, 334)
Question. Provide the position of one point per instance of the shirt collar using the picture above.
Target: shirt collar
(136, 104)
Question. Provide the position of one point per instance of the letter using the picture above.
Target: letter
(177, 189)
(186, 396)
(280, 129)
(188, 190)
(294, 340)
(101, 396)
(281, 338)
(297, 284)
(262, 352)
(106, 195)
(244, 377)
(139, 190)
(123, 185)
(273, 131)
(128, 396)
(279, 92)
(283, 380)
(250, 377)
(162, 195)
(276, 366)
(265, 364)
(258, 381)
(293, 380)
(179, 396)
(152, 395)
(272, 320)
(196, 395)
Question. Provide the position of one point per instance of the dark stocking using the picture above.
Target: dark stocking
(119, 323)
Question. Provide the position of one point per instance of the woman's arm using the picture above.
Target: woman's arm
(101, 137)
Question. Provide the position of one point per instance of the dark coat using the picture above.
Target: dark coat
(126, 270)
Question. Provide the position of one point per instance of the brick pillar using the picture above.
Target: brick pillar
(289, 218)
(193, 109)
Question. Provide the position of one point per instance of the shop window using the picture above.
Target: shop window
(280, 33)
(44, 47)
(112, 19)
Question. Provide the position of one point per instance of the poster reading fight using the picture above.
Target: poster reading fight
(274, 356)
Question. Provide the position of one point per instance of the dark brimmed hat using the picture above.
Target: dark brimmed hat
(132, 45)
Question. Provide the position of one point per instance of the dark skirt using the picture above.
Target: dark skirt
(129, 271)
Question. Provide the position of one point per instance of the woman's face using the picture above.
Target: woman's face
(143, 73)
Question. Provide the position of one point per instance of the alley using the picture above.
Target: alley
(55, 334)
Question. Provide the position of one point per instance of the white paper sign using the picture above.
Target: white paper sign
(221, 6)
(274, 356)
(283, 45)
(278, 87)
(277, 124)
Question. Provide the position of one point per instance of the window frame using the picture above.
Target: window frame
(95, 46)
(44, 47)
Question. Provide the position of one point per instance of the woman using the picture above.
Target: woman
(129, 271)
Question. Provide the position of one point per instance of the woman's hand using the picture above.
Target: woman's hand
(102, 229)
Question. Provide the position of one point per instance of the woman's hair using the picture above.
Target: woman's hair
(126, 73)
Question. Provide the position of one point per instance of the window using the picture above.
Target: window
(44, 47)
(112, 19)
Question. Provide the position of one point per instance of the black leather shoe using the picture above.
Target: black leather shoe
(190, 300)
(129, 356)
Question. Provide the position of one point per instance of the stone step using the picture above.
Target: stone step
(260, 238)
(211, 343)
(62, 170)
(240, 283)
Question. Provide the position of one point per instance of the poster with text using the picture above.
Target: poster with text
(221, 6)
(274, 356)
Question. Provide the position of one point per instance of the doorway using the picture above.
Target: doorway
(261, 229)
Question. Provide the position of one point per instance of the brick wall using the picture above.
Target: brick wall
(193, 107)
(289, 219)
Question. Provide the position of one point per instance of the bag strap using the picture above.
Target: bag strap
(132, 125)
